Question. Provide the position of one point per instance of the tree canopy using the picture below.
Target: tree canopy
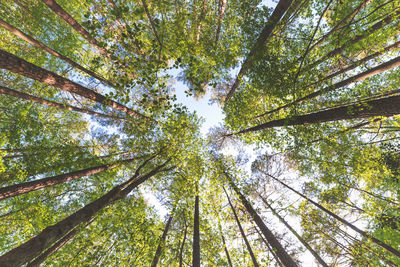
(101, 165)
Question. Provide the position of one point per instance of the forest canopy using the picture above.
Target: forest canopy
(102, 165)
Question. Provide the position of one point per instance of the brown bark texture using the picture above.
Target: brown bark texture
(17, 65)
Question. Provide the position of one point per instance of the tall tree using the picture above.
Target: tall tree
(157, 254)
(196, 234)
(253, 258)
(33, 247)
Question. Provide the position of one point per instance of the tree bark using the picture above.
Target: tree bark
(228, 257)
(221, 16)
(22, 188)
(54, 248)
(273, 21)
(385, 107)
(309, 248)
(196, 235)
(377, 26)
(391, 64)
(39, 260)
(269, 248)
(11, 92)
(253, 258)
(51, 51)
(269, 236)
(345, 222)
(78, 28)
(17, 65)
(182, 247)
(344, 20)
(162, 241)
(153, 26)
(34, 247)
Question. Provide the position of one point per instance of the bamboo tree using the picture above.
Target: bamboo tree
(353, 227)
(309, 248)
(34, 247)
(253, 258)
(17, 65)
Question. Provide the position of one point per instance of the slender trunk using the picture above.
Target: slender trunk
(221, 16)
(17, 65)
(273, 21)
(196, 235)
(77, 27)
(269, 236)
(153, 26)
(309, 43)
(344, 20)
(310, 249)
(226, 250)
(8, 91)
(356, 78)
(162, 241)
(42, 46)
(182, 247)
(353, 227)
(33, 247)
(201, 17)
(369, 193)
(385, 107)
(22, 188)
(377, 26)
(269, 248)
(253, 258)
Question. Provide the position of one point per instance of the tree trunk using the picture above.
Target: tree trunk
(344, 20)
(253, 258)
(226, 251)
(182, 247)
(54, 248)
(8, 91)
(77, 27)
(221, 16)
(34, 247)
(22, 188)
(162, 241)
(377, 26)
(39, 260)
(310, 249)
(153, 26)
(276, 246)
(196, 235)
(42, 46)
(269, 248)
(17, 65)
(273, 21)
(385, 107)
(353, 227)
(356, 78)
